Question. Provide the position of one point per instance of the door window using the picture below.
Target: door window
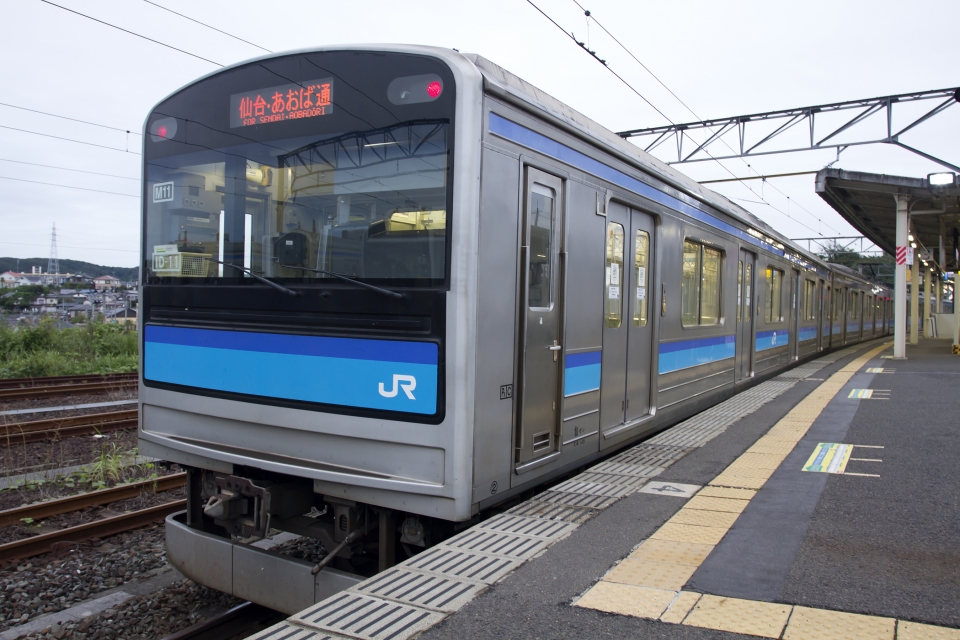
(539, 289)
(774, 297)
(641, 273)
(613, 311)
(700, 287)
(739, 290)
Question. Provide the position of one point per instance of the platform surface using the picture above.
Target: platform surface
(823, 503)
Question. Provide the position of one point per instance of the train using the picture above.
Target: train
(388, 289)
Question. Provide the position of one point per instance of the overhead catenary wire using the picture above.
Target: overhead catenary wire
(695, 115)
(67, 186)
(667, 118)
(92, 144)
(54, 115)
(133, 33)
(69, 246)
(252, 44)
(50, 166)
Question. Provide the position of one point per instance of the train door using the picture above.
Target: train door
(639, 318)
(794, 335)
(746, 289)
(540, 317)
(613, 369)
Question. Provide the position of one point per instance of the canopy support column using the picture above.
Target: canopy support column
(900, 285)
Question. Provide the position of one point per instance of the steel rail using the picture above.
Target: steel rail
(58, 428)
(16, 383)
(43, 543)
(240, 621)
(91, 499)
(25, 393)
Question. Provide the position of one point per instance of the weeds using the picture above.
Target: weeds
(44, 350)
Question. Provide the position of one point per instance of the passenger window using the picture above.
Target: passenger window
(773, 311)
(539, 290)
(809, 300)
(641, 265)
(614, 275)
(855, 305)
(739, 289)
(700, 287)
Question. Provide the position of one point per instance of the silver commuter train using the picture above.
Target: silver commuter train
(386, 288)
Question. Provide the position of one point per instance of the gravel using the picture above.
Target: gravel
(53, 582)
(24, 458)
(147, 617)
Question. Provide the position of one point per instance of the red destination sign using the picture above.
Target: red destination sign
(286, 102)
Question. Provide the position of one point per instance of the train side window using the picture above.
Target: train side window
(809, 300)
(613, 301)
(855, 305)
(700, 287)
(773, 311)
(539, 289)
(641, 274)
(739, 290)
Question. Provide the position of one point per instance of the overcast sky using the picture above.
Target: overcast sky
(722, 58)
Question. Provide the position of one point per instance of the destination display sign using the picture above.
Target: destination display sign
(285, 102)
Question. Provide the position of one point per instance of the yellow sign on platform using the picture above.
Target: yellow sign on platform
(829, 457)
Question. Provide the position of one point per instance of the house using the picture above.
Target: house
(105, 283)
(10, 279)
(122, 316)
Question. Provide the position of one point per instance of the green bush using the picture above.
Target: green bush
(44, 350)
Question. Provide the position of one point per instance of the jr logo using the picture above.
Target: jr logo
(400, 381)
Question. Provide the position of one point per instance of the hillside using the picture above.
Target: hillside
(126, 274)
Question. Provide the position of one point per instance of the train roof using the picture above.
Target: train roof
(500, 81)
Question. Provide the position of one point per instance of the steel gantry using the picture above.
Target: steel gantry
(861, 110)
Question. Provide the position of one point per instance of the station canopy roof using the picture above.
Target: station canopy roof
(868, 202)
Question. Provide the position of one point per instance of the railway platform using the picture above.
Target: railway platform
(822, 503)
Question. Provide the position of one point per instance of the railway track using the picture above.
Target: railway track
(43, 543)
(239, 622)
(70, 389)
(17, 383)
(59, 428)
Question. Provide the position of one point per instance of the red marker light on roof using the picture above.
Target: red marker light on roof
(434, 89)
(162, 131)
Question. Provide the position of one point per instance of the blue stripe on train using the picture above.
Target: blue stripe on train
(675, 356)
(581, 372)
(771, 339)
(372, 374)
(808, 333)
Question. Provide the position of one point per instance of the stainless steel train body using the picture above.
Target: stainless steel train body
(561, 294)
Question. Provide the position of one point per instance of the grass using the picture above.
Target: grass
(44, 350)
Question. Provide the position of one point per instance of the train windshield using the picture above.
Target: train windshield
(300, 167)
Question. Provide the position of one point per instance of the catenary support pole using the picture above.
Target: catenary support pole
(956, 312)
(927, 300)
(900, 285)
(915, 300)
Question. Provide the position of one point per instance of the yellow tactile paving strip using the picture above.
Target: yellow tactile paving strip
(648, 583)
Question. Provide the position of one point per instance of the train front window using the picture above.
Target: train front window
(301, 167)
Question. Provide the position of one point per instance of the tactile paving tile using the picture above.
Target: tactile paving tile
(548, 511)
(463, 564)
(287, 631)
(689, 533)
(700, 518)
(594, 489)
(760, 460)
(726, 492)
(836, 625)
(576, 499)
(656, 575)
(739, 482)
(680, 607)
(368, 618)
(615, 479)
(745, 470)
(496, 543)
(764, 619)
(626, 599)
(533, 527)
(627, 469)
(440, 593)
(709, 503)
(673, 552)
(916, 631)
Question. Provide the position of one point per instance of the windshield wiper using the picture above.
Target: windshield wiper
(253, 274)
(386, 292)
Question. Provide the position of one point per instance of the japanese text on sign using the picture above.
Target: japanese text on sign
(286, 102)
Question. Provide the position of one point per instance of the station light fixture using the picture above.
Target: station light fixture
(910, 237)
(913, 244)
(942, 180)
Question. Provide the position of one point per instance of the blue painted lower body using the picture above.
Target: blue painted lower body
(581, 379)
(772, 339)
(808, 333)
(692, 354)
(310, 378)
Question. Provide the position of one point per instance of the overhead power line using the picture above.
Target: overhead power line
(162, 44)
(208, 26)
(50, 166)
(47, 135)
(54, 115)
(68, 246)
(667, 118)
(759, 177)
(67, 186)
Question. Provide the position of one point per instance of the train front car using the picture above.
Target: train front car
(305, 309)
